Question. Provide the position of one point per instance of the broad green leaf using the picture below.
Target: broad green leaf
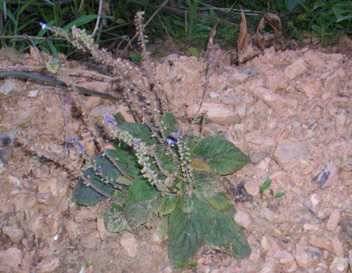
(142, 202)
(80, 21)
(221, 155)
(265, 185)
(97, 183)
(199, 165)
(140, 190)
(203, 225)
(106, 169)
(139, 131)
(162, 229)
(124, 161)
(220, 201)
(114, 219)
(165, 160)
(139, 213)
(220, 230)
(191, 141)
(86, 196)
(187, 204)
(169, 124)
(167, 205)
(185, 238)
(343, 11)
(202, 178)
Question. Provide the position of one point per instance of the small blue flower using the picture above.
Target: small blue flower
(109, 119)
(43, 25)
(75, 142)
(171, 141)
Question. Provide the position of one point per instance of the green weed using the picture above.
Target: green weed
(177, 179)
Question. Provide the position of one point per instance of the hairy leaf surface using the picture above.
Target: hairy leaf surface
(115, 219)
(85, 195)
(98, 183)
(219, 229)
(169, 124)
(142, 202)
(124, 160)
(203, 225)
(221, 155)
(165, 160)
(167, 205)
(139, 131)
(106, 169)
(185, 236)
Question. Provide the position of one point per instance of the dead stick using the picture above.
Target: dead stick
(52, 81)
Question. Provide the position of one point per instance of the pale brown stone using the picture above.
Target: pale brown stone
(320, 242)
(339, 265)
(286, 260)
(333, 220)
(49, 264)
(242, 218)
(14, 233)
(295, 69)
(10, 259)
(337, 246)
(129, 243)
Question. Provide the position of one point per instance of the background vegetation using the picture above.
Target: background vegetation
(185, 22)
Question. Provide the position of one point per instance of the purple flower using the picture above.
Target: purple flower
(75, 142)
(109, 119)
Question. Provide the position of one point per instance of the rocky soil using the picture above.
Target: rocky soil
(290, 111)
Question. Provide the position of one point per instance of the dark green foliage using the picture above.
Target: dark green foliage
(166, 161)
(167, 205)
(85, 195)
(222, 157)
(106, 169)
(125, 161)
(168, 124)
(98, 183)
(190, 22)
(141, 203)
(139, 131)
(202, 224)
(265, 185)
(185, 236)
(115, 219)
(152, 179)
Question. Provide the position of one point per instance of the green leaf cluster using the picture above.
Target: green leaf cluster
(146, 178)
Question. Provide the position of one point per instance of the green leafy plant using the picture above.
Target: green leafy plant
(266, 185)
(171, 176)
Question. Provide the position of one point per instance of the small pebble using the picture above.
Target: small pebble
(320, 242)
(286, 260)
(337, 246)
(339, 265)
(15, 234)
(129, 243)
(7, 87)
(10, 259)
(33, 93)
(48, 265)
(333, 220)
(242, 218)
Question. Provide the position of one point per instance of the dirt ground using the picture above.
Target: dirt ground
(290, 111)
